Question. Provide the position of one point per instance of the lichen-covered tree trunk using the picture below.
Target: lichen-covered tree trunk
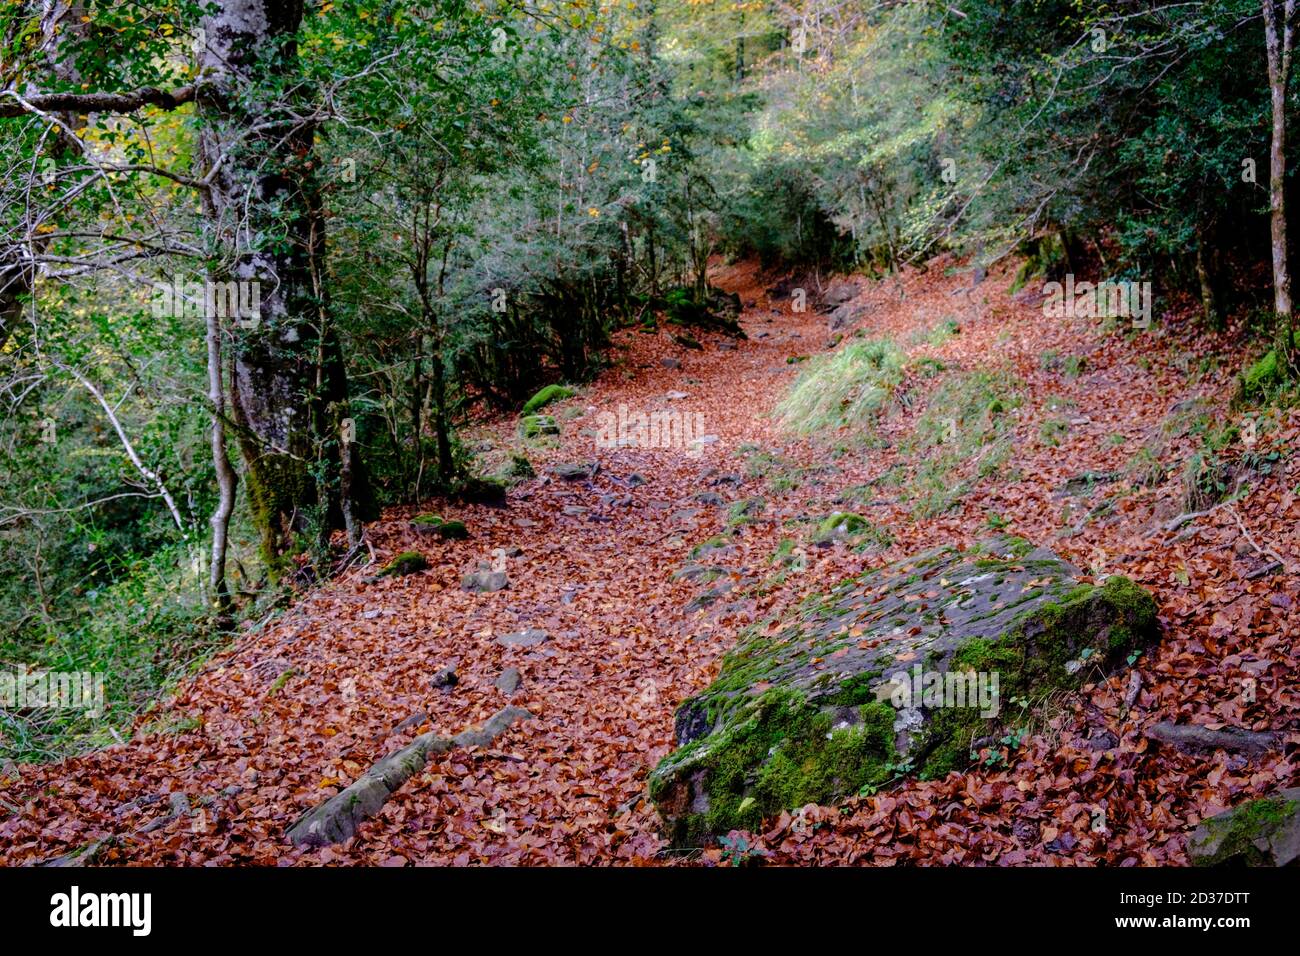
(264, 227)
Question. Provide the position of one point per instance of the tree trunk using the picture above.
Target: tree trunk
(226, 479)
(279, 391)
(1206, 276)
(1278, 41)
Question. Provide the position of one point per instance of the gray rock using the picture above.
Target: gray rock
(529, 637)
(572, 471)
(1261, 832)
(869, 667)
(698, 572)
(848, 314)
(484, 581)
(509, 680)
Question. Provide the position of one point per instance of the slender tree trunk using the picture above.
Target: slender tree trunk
(1279, 41)
(1205, 275)
(226, 479)
(441, 425)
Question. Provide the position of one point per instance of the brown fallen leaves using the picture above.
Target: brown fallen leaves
(568, 788)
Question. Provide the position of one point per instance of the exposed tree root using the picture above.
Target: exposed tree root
(1190, 738)
(338, 818)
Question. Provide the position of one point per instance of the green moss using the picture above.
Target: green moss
(520, 467)
(781, 754)
(531, 426)
(716, 543)
(1031, 659)
(281, 681)
(440, 526)
(551, 393)
(842, 521)
(1237, 832)
(408, 562)
(1258, 380)
(277, 486)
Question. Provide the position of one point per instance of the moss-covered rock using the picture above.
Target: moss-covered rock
(844, 526)
(551, 393)
(440, 527)
(482, 490)
(1263, 832)
(894, 671)
(408, 562)
(531, 426)
(519, 468)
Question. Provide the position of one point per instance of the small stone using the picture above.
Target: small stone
(572, 471)
(484, 581)
(529, 637)
(509, 680)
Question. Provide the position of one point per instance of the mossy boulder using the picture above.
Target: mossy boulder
(519, 468)
(439, 526)
(482, 490)
(895, 671)
(551, 393)
(408, 562)
(1262, 832)
(841, 526)
(532, 426)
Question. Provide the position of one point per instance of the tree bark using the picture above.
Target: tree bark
(1279, 41)
(265, 224)
(226, 478)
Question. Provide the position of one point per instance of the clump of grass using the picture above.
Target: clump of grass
(845, 389)
(965, 421)
(1052, 431)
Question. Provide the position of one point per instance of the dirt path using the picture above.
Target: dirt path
(301, 707)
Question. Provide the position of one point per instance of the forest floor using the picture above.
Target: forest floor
(299, 707)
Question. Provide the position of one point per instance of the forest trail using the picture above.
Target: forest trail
(302, 706)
